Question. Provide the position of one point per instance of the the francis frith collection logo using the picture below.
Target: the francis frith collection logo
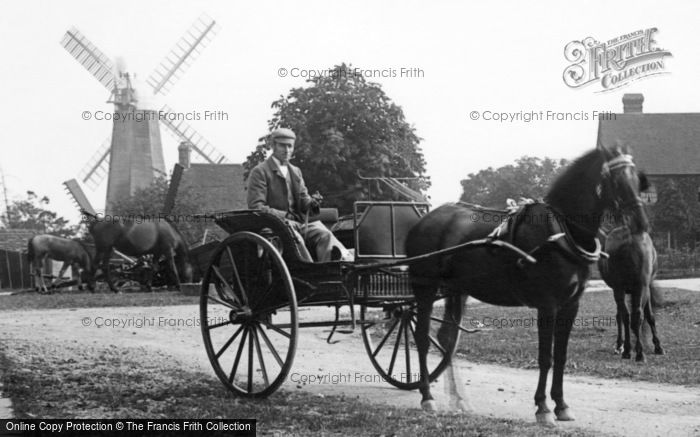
(616, 62)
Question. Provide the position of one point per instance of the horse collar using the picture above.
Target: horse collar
(561, 237)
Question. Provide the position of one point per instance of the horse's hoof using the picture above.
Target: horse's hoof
(545, 419)
(461, 405)
(659, 350)
(619, 350)
(429, 406)
(626, 355)
(640, 358)
(565, 414)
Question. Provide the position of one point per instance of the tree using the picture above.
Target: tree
(530, 177)
(33, 214)
(148, 204)
(346, 127)
(671, 213)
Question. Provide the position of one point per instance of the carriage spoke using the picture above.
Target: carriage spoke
(407, 349)
(238, 357)
(225, 283)
(260, 356)
(219, 325)
(221, 302)
(432, 339)
(228, 343)
(271, 347)
(251, 357)
(396, 347)
(386, 337)
(244, 295)
(276, 329)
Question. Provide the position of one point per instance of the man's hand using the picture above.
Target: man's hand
(315, 205)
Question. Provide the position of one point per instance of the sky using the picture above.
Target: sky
(505, 56)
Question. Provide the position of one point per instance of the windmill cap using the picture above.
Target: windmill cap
(283, 135)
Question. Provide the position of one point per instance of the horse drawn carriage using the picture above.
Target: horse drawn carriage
(256, 280)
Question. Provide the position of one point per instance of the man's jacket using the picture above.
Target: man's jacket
(267, 190)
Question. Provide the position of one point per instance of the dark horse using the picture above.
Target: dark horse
(631, 269)
(73, 253)
(560, 234)
(157, 238)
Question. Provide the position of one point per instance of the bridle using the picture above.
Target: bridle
(617, 163)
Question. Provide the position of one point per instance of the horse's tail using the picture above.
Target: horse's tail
(655, 296)
(30, 250)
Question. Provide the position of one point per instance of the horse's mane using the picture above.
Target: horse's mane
(569, 182)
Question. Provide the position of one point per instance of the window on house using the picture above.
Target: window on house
(649, 196)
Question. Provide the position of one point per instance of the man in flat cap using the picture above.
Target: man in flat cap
(277, 187)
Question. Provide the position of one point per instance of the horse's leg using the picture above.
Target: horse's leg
(637, 320)
(625, 317)
(564, 323)
(173, 268)
(545, 329)
(651, 320)
(454, 305)
(64, 267)
(105, 270)
(37, 275)
(424, 307)
(41, 261)
(75, 267)
(618, 317)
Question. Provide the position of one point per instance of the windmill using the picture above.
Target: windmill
(133, 154)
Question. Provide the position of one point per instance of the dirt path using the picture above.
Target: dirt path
(622, 407)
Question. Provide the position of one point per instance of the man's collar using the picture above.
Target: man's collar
(277, 161)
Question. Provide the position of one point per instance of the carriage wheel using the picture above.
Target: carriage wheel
(248, 314)
(389, 341)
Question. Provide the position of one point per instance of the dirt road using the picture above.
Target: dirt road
(621, 407)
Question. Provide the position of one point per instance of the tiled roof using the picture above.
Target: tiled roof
(662, 144)
(221, 186)
(15, 239)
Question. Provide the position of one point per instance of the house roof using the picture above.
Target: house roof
(662, 144)
(15, 239)
(221, 186)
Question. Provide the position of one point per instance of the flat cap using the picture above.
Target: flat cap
(283, 135)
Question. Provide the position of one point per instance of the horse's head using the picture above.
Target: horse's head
(620, 186)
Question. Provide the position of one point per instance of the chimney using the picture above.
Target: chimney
(184, 151)
(632, 103)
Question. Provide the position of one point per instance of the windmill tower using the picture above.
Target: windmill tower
(133, 155)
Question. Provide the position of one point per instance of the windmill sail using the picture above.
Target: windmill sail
(79, 198)
(96, 169)
(181, 56)
(90, 57)
(184, 132)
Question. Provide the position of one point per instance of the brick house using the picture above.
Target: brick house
(667, 148)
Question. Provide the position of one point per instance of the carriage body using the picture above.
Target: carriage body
(256, 279)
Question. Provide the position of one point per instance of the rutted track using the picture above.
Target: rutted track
(623, 407)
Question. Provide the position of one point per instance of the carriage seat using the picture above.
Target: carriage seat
(327, 216)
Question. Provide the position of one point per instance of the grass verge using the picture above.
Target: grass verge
(50, 380)
(510, 338)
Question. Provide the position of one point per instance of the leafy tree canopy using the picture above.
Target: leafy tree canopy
(346, 127)
(33, 214)
(530, 177)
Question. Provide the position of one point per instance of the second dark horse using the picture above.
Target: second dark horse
(630, 270)
(560, 234)
(158, 238)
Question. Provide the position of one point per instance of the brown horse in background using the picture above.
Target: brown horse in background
(560, 234)
(159, 238)
(631, 270)
(71, 252)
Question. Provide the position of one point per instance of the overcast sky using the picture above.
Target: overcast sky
(505, 56)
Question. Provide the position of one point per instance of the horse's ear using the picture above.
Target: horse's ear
(643, 181)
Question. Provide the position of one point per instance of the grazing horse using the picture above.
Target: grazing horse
(631, 269)
(559, 234)
(157, 238)
(71, 252)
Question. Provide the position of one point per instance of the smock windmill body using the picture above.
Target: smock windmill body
(133, 155)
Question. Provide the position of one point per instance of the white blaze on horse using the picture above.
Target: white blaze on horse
(71, 252)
